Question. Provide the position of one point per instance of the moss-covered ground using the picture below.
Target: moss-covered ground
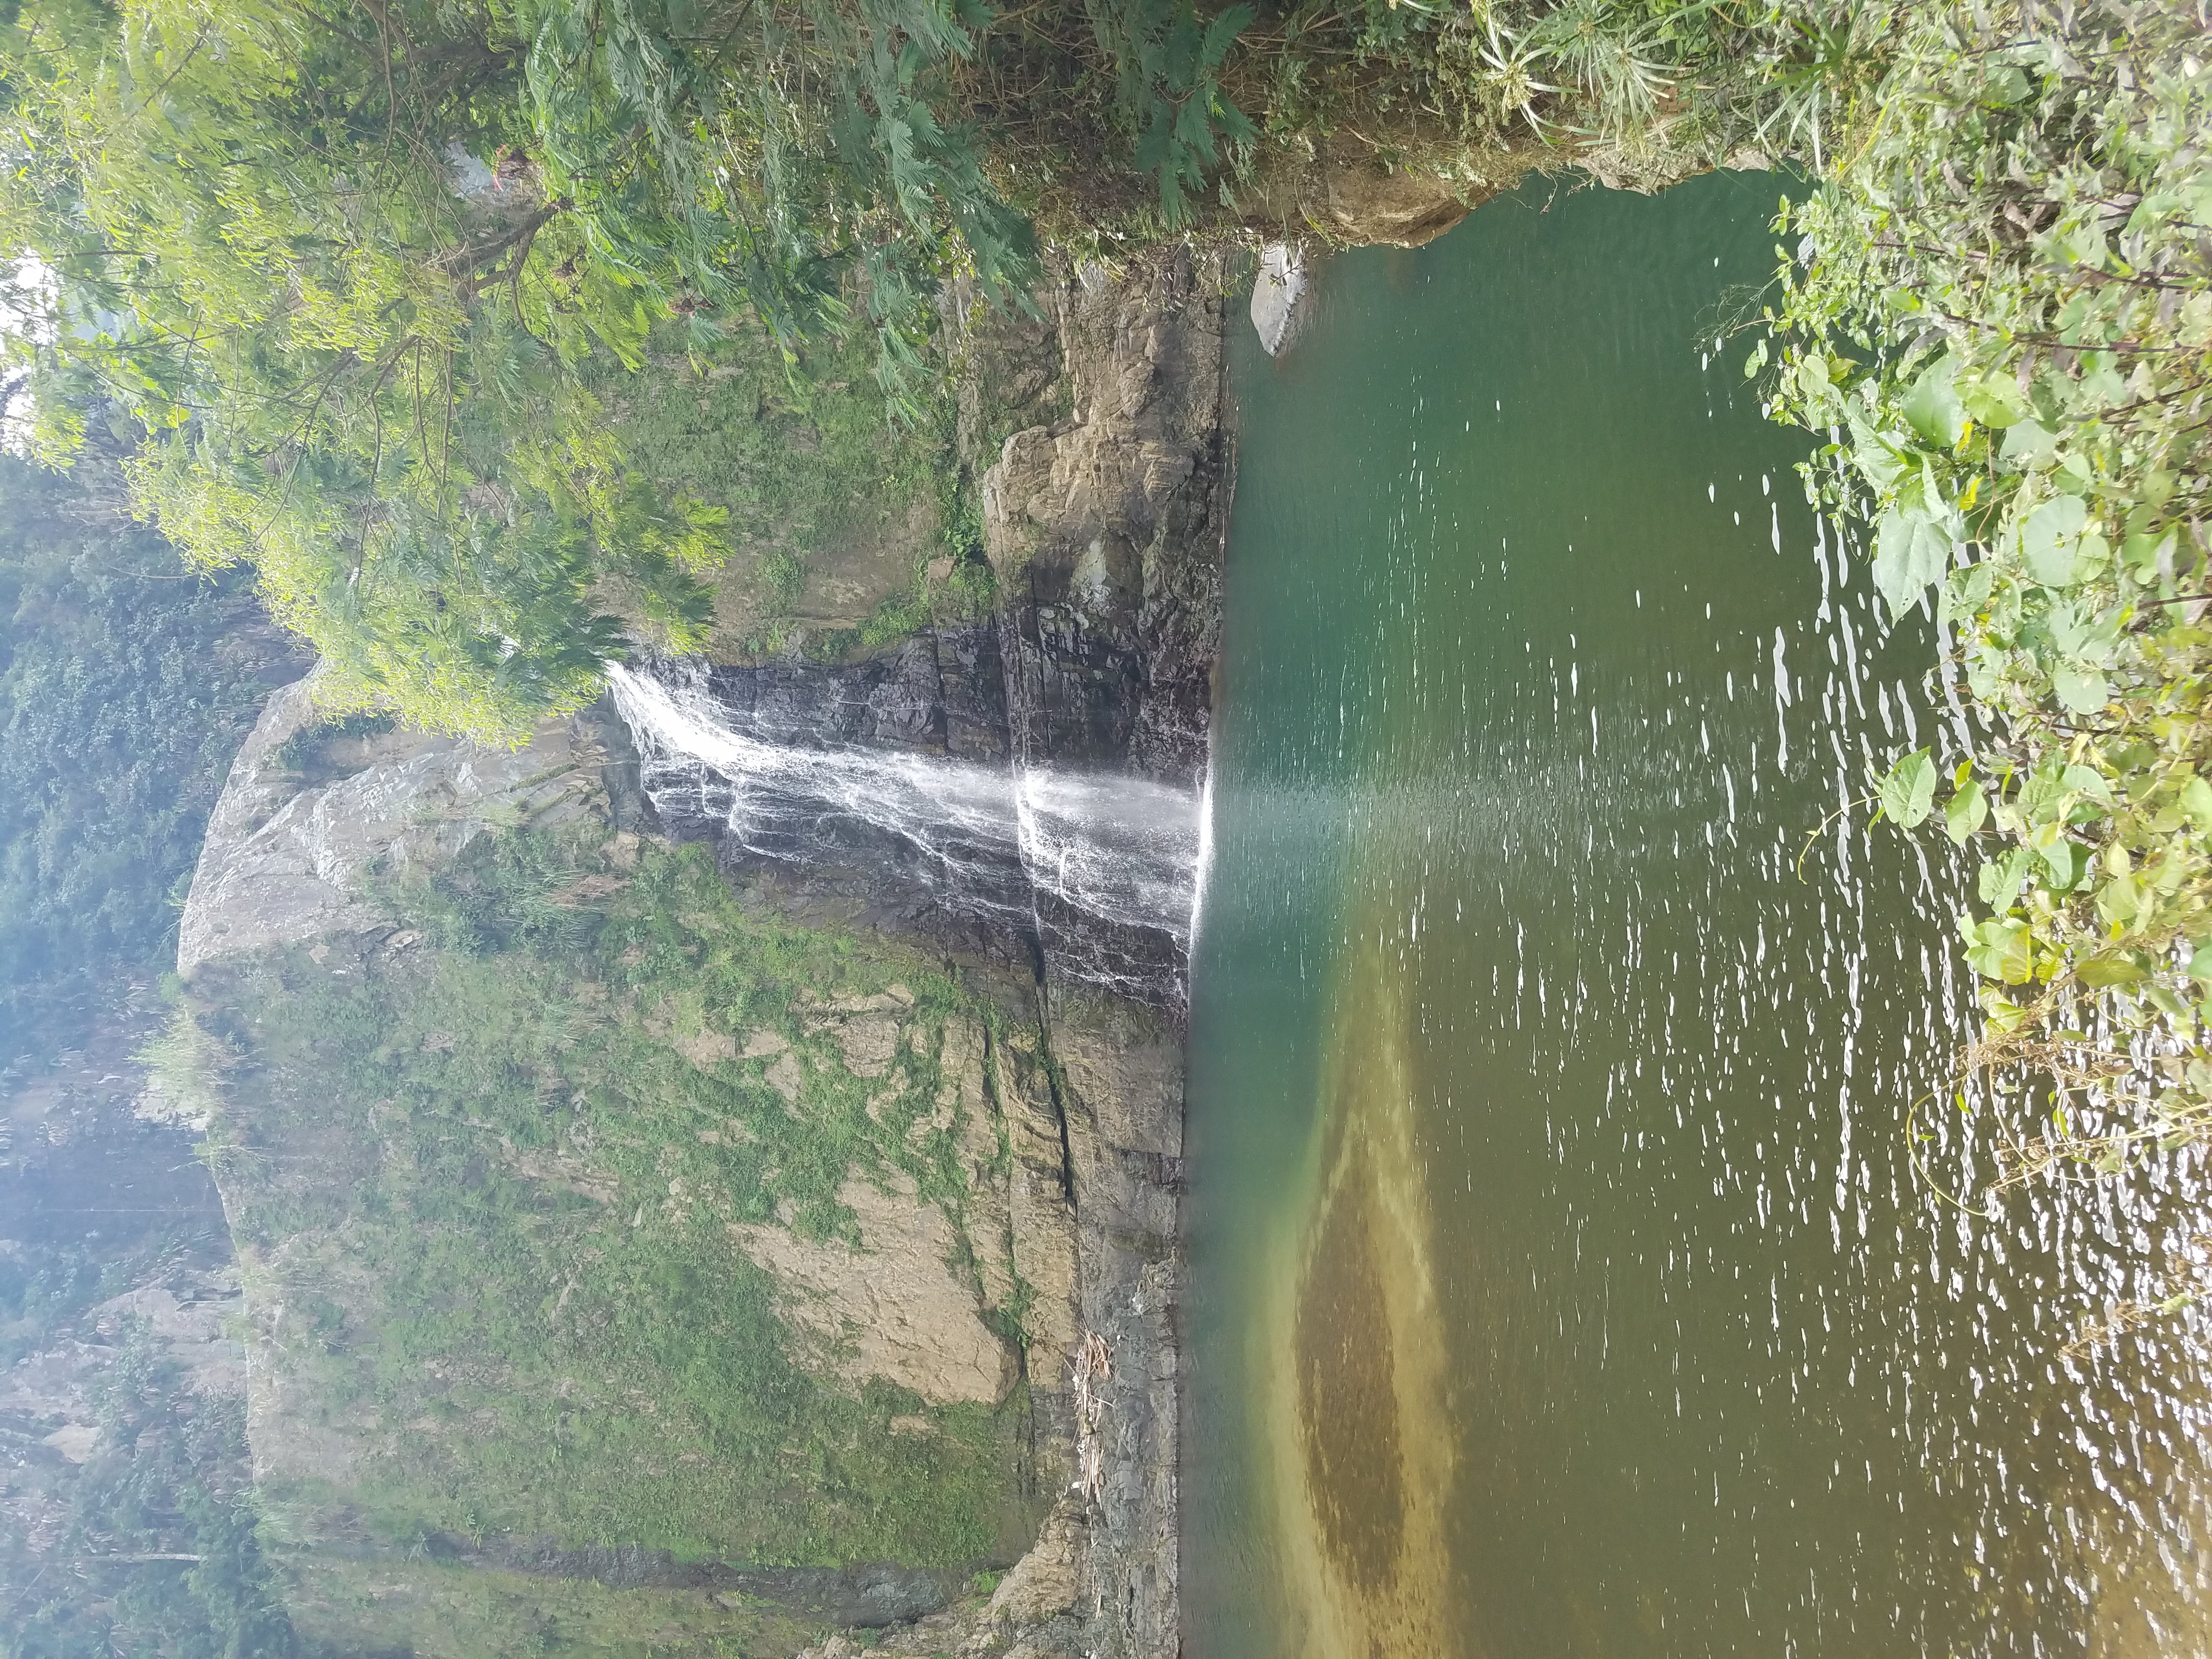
(481, 1182)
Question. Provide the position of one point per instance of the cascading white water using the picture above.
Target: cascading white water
(1124, 850)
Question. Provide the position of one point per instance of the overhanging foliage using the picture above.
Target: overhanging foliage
(2000, 311)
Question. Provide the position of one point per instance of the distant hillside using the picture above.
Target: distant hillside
(125, 686)
(125, 1525)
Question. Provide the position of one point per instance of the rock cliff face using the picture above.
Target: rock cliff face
(1046, 1270)
(287, 858)
(1105, 531)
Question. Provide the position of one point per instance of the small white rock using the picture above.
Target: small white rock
(1275, 294)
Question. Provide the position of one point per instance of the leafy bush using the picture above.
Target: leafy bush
(2000, 310)
(352, 346)
(1168, 64)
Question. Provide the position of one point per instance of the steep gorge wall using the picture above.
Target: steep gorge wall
(442, 1223)
(1105, 529)
(1014, 1134)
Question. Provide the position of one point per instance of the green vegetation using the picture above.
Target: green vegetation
(433, 1610)
(42, 1291)
(157, 1551)
(2001, 309)
(125, 685)
(362, 282)
(491, 1179)
(344, 270)
(810, 474)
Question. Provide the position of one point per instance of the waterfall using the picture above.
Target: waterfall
(1088, 861)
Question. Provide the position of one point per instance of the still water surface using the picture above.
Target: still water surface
(1563, 1285)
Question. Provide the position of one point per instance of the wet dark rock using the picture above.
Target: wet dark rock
(1108, 531)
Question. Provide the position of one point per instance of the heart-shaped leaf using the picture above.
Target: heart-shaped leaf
(1965, 812)
(2080, 691)
(1933, 408)
(1908, 792)
(1910, 550)
(2050, 538)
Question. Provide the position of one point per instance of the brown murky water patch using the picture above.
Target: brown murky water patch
(1347, 1393)
(1360, 1437)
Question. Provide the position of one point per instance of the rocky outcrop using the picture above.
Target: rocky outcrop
(287, 860)
(51, 1420)
(1106, 529)
(939, 692)
(48, 1399)
(1277, 289)
(926, 1292)
(889, 1306)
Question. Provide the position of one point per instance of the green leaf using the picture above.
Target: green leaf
(2141, 551)
(2104, 972)
(2088, 781)
(1812, 380)
(1998, 883)
(2004, 86)
(1910, 550)
(2049, 538)
(2003, 948)
(1932, 406)
(2064, 860)
(1873, 452)
(2200, 960)
(1965, 812)
(2197, 801)
(1908, 792)
(2080, 691)
(2005, 1015)
(2028, 440)
(2119, 900)
(1997, 402)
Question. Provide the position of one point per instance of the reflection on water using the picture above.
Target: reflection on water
(1562, 1284)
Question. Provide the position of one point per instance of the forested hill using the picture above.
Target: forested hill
(126, 681)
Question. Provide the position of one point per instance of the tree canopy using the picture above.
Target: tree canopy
(333, 265)
(333, 272)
